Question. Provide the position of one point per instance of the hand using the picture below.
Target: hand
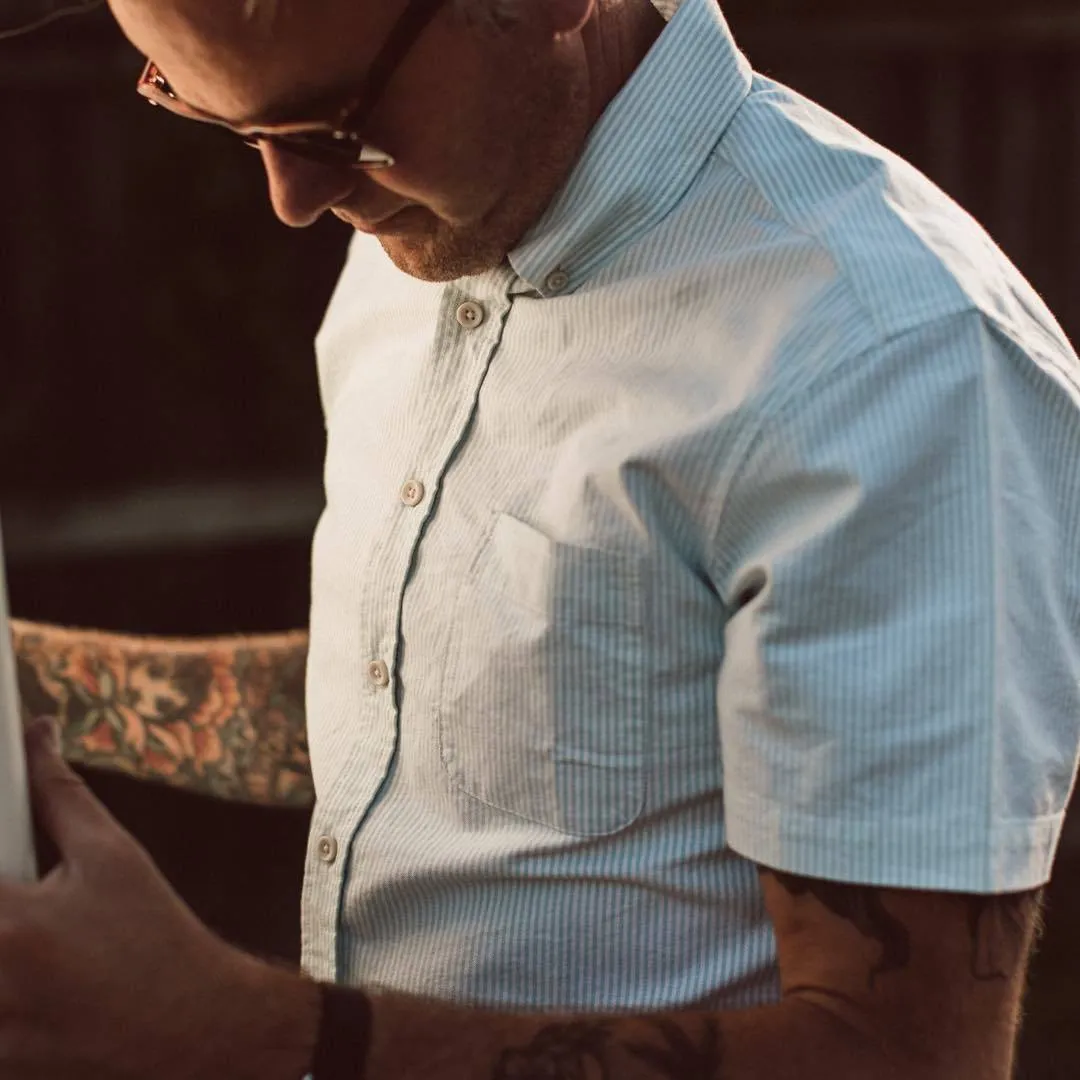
(105, 974)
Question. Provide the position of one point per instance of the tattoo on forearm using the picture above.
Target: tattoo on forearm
(593, 1051)
(226, 720)
(864, 909)
(999, 927)
(559, 1052)
(999, 933)
(679, 1056)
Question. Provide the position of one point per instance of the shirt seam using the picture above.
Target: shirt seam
(847, 820)
(865, 304)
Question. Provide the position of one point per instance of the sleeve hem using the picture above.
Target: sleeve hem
(935, 855)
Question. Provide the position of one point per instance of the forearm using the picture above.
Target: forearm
(222, 717)
(793, 1040)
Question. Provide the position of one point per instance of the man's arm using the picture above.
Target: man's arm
(877, 983)
(220, 717)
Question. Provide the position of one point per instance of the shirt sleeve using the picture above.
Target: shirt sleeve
(899, 701)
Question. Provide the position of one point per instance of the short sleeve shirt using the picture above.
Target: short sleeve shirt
(730, 523)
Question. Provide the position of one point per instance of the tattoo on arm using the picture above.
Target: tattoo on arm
(679, 1056)
(559, 1052)
(864, 909)
(222, 718)
(592, 1051)
(998, 926)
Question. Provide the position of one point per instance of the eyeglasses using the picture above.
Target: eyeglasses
(337, 141)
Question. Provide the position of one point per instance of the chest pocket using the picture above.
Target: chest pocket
(543, 709)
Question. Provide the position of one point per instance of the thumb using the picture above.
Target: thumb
(66, 808)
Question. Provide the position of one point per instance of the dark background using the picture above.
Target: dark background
(160, 435)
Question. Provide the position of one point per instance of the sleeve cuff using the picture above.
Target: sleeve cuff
(941, 855)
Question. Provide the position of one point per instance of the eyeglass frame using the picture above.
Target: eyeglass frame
(343, 128)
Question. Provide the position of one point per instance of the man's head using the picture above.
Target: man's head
(484, 116)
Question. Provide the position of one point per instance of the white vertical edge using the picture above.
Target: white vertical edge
(17, 859)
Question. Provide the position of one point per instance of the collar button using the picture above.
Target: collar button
(556, 281)
(471, 315)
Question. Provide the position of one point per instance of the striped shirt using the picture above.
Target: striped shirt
(732, 521)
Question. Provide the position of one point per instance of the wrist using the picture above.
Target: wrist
(277, 1040)
(344, 1036)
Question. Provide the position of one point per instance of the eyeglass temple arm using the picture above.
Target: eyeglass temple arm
(402, 38)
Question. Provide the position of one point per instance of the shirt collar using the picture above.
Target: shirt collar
(644, 152)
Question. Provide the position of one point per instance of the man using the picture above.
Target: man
(693, 680)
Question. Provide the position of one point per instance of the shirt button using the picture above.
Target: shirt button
(327, 849)
(379, 673)
(412, 493)
(471, 315)
(557, 280)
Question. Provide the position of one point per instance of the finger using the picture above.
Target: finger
(66, 808)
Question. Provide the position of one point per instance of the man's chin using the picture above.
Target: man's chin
(430, 251)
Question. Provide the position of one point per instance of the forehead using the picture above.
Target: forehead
(231, 60)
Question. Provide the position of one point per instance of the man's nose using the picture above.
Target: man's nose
(301, 190)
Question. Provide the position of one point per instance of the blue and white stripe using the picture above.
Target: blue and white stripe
(747, 537)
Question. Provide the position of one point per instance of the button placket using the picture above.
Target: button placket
(420, 449)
